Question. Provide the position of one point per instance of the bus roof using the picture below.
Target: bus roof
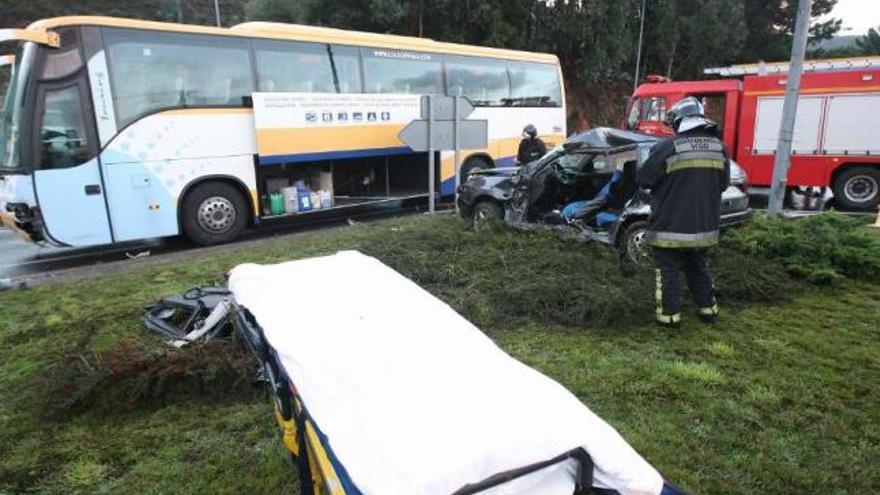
(296, 32)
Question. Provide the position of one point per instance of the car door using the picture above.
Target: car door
(67, 177)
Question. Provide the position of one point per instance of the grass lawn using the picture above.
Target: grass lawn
(779, 397)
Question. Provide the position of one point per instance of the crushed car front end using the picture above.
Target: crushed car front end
(485, 185)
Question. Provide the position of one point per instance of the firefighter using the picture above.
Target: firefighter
(531, 147)
(685, 175)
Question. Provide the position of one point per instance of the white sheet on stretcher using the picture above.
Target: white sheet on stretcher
(413, 398)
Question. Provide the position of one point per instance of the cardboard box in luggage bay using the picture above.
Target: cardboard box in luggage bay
(302, 127)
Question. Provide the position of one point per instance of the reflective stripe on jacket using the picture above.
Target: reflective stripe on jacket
(686, 175)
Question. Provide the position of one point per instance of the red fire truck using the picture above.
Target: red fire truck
(837, 132)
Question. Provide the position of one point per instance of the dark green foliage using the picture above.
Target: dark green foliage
(770, 25)
(595, 40)
(786, 381)
(501, 277)
(823, 249)
(870, 43)
(142, 373)
(743, 279)
(684, 37)
(504, 277)
(20, 13)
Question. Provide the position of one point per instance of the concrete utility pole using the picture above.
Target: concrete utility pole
(217, 11)
(789, 108)
(639, 50)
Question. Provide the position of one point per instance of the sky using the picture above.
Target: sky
(859, 15)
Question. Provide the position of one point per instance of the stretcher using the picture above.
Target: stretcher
(382, 389)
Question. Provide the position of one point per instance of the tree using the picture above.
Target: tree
(683, 37)
(870, 43)
(277, 11)
(770, 26)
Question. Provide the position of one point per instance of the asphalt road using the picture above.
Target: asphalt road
(33, 264)
(19, 258)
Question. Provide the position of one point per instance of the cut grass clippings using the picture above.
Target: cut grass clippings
(777, 398)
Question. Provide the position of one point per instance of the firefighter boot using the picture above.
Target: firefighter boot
(667, 293)
(708, 314)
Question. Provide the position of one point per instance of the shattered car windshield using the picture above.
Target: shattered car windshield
(574, 162)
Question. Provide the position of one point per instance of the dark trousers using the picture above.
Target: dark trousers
(692, 262)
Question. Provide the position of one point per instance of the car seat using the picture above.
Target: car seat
(609, 201)
(619, 195)
(580, 210)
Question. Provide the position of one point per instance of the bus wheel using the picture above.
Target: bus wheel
(470, 165)
(213, 213)
(858, 188)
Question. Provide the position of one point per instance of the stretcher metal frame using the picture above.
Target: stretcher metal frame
(320, 471)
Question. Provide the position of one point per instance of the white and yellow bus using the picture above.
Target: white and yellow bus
(115, 130)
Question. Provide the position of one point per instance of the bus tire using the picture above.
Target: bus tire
(471, 164)
(213, 213)
(857, 188)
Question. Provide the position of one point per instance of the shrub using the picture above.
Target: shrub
(140, 372)
(495, 278)
(822, 249)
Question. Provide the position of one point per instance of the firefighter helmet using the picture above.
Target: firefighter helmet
(682, 109)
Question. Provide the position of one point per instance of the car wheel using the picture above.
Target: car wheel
(634, 246)
(487, 214)
(470, 165)
(213, 213)
(858, 188)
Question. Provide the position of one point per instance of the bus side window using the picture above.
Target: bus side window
(391, 71)
(64, 141)
(347, 67)
(294, 66)
(534, 85)
(152, 71)
(483, 81)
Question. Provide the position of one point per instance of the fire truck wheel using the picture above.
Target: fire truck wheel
(858, 188)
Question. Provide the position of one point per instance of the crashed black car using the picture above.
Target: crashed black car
(597, 166)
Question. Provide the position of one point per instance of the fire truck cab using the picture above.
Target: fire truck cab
(836, 140)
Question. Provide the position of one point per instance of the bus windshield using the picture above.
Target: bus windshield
(10, 115)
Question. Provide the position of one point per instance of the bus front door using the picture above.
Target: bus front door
(68, 183)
